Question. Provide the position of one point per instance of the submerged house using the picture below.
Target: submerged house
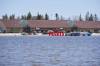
(44, 26)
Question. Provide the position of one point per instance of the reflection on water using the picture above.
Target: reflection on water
(49, 51)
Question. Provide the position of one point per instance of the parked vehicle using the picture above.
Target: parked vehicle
(2, 31)
(85, 34)
(78, 34)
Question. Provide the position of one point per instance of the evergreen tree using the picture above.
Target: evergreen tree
(91, 18)
(57, 16)
(39, 17)
(23, 17)
(12, 17)
(27, 29)
(46, 17)
(80, 18)
(29, 16)
(5, 17)
(95, 17)
(87, 16)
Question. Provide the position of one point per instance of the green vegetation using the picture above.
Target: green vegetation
(27, 29)
(15, 30)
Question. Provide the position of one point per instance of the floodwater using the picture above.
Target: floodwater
(49, 51)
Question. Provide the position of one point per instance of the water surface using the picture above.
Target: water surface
(49, 51)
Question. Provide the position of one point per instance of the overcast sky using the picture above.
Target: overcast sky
(67, 8)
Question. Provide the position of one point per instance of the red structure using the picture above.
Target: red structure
(56, 33)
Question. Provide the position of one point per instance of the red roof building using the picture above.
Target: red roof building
(12, 25)
(45, 25)
(54, 25)
(88, 26)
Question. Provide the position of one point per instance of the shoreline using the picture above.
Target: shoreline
(20, 34)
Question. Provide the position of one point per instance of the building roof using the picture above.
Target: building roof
(12, 23)
(2, 25)
(48, 23)
(88, 24)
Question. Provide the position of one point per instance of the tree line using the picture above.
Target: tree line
(89, 17)
(29, 16)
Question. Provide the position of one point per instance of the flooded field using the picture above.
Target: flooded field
(49, 51)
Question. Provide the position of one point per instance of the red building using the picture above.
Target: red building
(88, 26)
(46, 26)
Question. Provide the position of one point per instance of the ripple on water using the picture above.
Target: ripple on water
(49, 51)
